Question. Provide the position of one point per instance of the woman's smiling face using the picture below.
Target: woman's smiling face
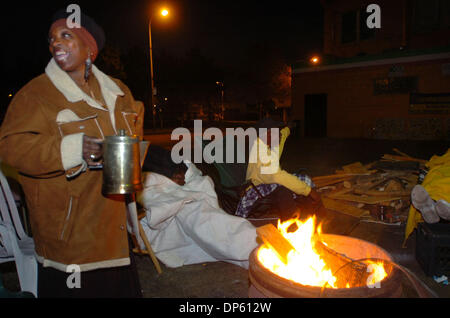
(67, 49)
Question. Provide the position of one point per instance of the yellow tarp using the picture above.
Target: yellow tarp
(437, 184)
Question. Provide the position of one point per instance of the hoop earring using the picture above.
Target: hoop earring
(88, 66)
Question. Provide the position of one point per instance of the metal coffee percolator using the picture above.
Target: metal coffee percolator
(121, 164)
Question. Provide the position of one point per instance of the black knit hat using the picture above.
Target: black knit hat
(86, 22)
(159, 160)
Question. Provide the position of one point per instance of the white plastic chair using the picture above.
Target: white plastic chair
(15, 244)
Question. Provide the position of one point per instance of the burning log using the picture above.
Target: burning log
(347, 271)
(277, 242)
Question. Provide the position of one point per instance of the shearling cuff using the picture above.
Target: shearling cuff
(72, 150)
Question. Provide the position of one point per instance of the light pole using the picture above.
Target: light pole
(164, 13)
(222, 109)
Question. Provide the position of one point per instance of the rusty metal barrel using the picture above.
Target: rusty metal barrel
(264, 283)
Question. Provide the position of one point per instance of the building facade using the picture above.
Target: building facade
(391, 82)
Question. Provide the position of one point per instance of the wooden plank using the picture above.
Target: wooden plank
(347, 184)
(380, 179)
(401, 153)
(338, 176)
(275, 240)
(368, 172)
(402, 158)
(393, 185)
(409, 178)
(366, 200)
(375, 193)
(344, 208)
(368, 181)
(356, 167)
(338, 192)
(323, 183)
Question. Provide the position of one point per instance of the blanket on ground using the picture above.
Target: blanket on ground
(185, 225)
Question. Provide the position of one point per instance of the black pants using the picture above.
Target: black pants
(287, 206)
(115, 282)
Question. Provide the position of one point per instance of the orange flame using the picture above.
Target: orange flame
(304, 265)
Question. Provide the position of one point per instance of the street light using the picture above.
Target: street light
(315, 60)
(222, 106)
(164, 12)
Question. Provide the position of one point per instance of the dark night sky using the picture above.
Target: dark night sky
(222, 30)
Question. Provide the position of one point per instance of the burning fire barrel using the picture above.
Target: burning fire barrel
(310, 274)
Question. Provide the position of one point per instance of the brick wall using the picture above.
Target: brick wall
(354, 111)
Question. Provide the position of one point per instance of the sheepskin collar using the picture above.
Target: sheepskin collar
(64, 83)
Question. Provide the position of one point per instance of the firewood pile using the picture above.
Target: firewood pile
(379, 191)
